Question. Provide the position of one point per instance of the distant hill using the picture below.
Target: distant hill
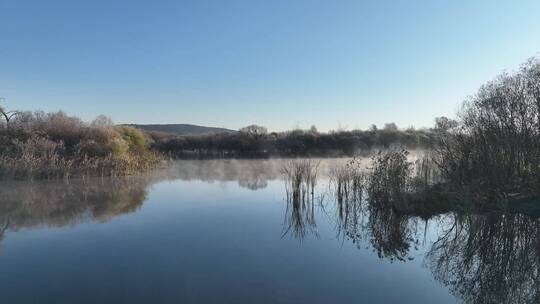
(181, 129)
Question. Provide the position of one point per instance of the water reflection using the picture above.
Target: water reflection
(480, 257)
(347, 188)
(3, 229)
(57, 204)
(489, 258)
(392, 233)
(253, 174)
(250, 174)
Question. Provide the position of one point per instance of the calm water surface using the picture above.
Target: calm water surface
(225, 232)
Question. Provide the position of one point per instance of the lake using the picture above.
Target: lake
(228, 231)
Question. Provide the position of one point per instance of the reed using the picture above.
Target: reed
(300, 181)
(347, 183)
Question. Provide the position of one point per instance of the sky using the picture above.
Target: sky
(279, 63)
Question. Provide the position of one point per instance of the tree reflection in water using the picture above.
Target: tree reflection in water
(61, 203)
(489, 258)
(481, 257)
(390, 233)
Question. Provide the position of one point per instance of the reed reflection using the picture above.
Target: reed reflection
(347, 186)
(300, 181)
(365, 211)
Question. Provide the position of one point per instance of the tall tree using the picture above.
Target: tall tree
(254, 131)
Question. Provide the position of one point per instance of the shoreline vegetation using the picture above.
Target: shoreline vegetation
(489, 153)
(487, 157)
(55, 145)
(256, 142)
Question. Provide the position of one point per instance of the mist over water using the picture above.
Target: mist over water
(241, 231)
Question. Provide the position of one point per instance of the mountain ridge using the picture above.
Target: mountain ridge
(181, 129)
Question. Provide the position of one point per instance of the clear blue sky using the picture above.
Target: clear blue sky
(277, 63)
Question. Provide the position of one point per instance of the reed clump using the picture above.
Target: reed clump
(348, 181)
(300, 176)
(300, 181)
(415, 187)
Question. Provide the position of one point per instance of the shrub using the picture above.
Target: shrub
(389, 177)
(55, 145)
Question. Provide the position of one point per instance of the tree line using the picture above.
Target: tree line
(256, 141)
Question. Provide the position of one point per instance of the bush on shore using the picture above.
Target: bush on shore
(47, 145)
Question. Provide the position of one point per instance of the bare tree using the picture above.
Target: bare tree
(495, 145)
(254, 131)
(391, 126)
(7, 115)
